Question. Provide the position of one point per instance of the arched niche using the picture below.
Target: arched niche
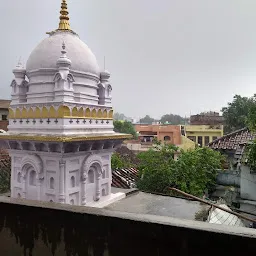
(87, 112)
(72, 182)
(52, 183)
(37, 113)
(99, 114)
(33, 161)
(24, 113)
(45, 112)
(64, 111)
(110, 114)
(105, 113)
(31, 113)
(75, 112)
(94, 113)
(17, 113)
(52, 112)
(81, 112)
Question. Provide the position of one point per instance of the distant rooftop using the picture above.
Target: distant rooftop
(4, 104)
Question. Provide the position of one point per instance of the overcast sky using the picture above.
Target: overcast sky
(165, 56)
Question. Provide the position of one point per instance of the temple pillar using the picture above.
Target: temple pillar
(62, 197)
(98, 175)
(83, 179)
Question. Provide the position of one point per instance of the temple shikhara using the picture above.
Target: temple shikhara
(60, 135)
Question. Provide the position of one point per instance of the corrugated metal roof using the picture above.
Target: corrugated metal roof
(124, 178)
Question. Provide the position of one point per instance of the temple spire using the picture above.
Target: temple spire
(64, 19)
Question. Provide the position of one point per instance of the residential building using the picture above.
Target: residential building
(207, 118)
(4, 111)
(203, 134)
(168, 133)
(233, 146)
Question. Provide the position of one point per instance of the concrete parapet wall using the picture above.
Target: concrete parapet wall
(53, 229)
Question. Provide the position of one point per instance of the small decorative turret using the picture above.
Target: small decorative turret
(105, 89)
(63, 61)
(19, 84)
(63, 78)
(19, 72)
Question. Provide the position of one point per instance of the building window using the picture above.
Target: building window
(91, 176)
(214, 138)
(19, 196)
(206, 140)
(32, 178)
(167, 138)
(51, 183)
(73, 181)
(193, 138)
(200, 140)
(4, 117)
(72, 202)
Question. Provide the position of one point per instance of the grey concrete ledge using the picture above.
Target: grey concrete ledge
(154, 219)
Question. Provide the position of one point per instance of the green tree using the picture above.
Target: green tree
(193, 172)
(147, 120)
(125, 127)
(5, 173)
(172, 119)
(119, 162)
(236, 113)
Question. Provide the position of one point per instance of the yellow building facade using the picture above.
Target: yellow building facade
(203, 134)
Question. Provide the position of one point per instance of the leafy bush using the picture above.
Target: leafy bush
(5, 174)
(119, 162)
(193, 172)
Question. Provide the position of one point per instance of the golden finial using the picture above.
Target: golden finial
(64, 19)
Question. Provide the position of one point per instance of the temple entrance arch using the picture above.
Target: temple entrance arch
(30, 182)
(91, 179)
(32, 176)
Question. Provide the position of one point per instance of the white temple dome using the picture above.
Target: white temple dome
(46, 54)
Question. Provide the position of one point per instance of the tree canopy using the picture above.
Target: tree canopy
(193, 172)
(125, 127)
(147, 120)
(237, 112)
(173, 119)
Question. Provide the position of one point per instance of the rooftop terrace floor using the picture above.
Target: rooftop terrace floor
(145, 203)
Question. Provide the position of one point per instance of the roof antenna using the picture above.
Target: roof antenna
(104, 63)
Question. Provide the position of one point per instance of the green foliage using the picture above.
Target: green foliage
(237, 112)
(119, 162)
(193, 172)
(147, 120)
(5, 175)
(125, 127)
(173, 119)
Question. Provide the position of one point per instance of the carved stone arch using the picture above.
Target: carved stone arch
(57, 77)
(89, 161)
(32, 160)
(109, 87)
(70, 78)
(13, 83)
(24, 83)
